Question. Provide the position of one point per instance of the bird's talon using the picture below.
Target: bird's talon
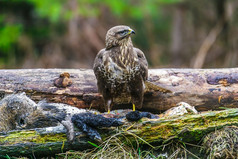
(134, 107)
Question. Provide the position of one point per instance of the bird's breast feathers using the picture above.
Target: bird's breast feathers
(123, 67)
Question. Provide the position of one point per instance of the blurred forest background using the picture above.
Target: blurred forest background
(69, 33)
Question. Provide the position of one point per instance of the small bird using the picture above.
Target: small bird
(121, 69)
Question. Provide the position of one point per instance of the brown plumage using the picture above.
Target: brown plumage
(121, 70)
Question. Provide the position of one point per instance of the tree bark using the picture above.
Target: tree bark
(206, 89)
(188, 128)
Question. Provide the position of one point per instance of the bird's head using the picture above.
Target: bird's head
(117, 35)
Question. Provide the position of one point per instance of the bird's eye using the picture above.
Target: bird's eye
(120, 32)
(123, 32)
(139, 56)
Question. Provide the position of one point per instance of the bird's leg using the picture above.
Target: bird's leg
(134, 107)
(137, 92)
(109, 102)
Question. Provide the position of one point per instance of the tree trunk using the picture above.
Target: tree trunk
(206, 89)
(189, 128)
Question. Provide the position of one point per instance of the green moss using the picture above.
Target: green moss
(30, 136)
(189, 128)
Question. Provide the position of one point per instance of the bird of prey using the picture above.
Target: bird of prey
(121, 69)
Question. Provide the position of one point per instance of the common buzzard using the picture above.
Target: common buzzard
(121, 69)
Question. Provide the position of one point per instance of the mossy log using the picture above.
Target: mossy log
(206, 89)
(49, 141)
(38, 142)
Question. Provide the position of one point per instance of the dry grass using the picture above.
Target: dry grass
(222, 144)
(114, 148)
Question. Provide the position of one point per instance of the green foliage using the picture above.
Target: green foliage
(54, 10)
(44, 20)
(88, 8)
(61, 10)
(7, 157)
(48, 9)
(169, 1)
(136, 9)
(9, 35)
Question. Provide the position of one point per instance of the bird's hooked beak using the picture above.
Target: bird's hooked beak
(131, 31)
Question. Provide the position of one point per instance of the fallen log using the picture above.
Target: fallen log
(206, 89)
(49, 141)
(30, 129)
(38, 142)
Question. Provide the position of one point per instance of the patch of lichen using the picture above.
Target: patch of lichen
(30, 136)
